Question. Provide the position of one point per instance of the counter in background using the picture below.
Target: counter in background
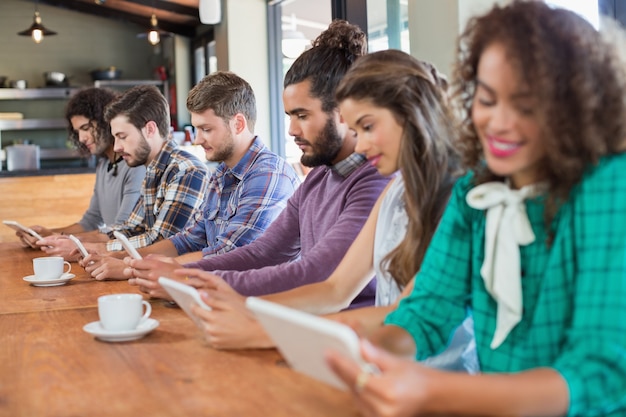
(48, 171)
(48, 200)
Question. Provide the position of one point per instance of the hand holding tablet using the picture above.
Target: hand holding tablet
(304, 338)
(185, 296)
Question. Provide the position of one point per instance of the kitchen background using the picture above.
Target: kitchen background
(84, 43)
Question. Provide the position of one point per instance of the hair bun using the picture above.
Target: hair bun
(343, 35)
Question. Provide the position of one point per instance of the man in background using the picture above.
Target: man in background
(248, 190)
(310, 237)
(175, 183)
(117, 185)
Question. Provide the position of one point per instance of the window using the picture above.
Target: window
(586, 8)
(204, 58)
(388, 25)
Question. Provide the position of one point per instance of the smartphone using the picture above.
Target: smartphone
(79, 245)
(304, 338)
(185, 296)
(19, 227)
(129, 248)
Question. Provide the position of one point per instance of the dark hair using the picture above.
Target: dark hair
(575, 75)
(414, 93)
(325, 64)
(141, 104)
(90, 103)
(226, 94)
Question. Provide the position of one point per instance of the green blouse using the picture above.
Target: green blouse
(574, 292)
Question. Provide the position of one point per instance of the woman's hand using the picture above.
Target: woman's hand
(402, 388)
(229, 324)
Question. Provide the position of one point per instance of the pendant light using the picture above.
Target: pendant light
(155, 33)
(293, 42)
(37, 30)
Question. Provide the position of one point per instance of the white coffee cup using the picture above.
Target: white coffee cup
(50, 267)
(119, 312)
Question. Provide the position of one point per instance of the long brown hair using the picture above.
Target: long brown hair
(415, 93)
(576, 76)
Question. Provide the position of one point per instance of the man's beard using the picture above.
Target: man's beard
(326, 147)
(141, 154)
(226, 151)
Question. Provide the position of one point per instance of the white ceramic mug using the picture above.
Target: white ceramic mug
(50, 267)
(120, 312)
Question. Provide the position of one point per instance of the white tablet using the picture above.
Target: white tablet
(303, 338)
(79, 245)
(185, 296)
(19, 227)
(129, 248)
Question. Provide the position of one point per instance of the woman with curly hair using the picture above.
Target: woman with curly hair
(117, 185)
(533, 240)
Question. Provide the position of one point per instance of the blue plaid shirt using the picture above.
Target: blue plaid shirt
(241, 202)
(171, 194)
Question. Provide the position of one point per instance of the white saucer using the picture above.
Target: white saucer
(96, 329)
(49, 282)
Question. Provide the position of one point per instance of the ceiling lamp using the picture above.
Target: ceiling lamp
(37, 31)
(293, 42)
(155, 33)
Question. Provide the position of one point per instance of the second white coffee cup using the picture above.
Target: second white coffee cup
(121, 312)
(50, 267)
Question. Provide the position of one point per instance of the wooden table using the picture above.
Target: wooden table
(46, 200)
(50, 367)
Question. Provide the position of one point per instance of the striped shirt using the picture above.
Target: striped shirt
(574, 292)
(172, 193)
(241, 202)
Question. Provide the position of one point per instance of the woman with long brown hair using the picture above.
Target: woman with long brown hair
(405, 128)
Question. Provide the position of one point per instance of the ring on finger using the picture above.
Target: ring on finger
(363, 377)
(361, 380)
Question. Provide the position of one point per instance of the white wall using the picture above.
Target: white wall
(241, 47)
(435, 25)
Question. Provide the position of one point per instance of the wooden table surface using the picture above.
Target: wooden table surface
(49, 366)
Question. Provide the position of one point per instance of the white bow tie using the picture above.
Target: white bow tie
(506, 229)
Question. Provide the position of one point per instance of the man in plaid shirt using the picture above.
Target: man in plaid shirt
(248, 189)
(176, 181)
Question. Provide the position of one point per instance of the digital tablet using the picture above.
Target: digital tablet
(185, 296)
(129, 248)
(79, 245)
(303, 339)
(19, 227)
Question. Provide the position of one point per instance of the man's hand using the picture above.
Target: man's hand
(145, 272)
(104, 267)
(58, 245)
